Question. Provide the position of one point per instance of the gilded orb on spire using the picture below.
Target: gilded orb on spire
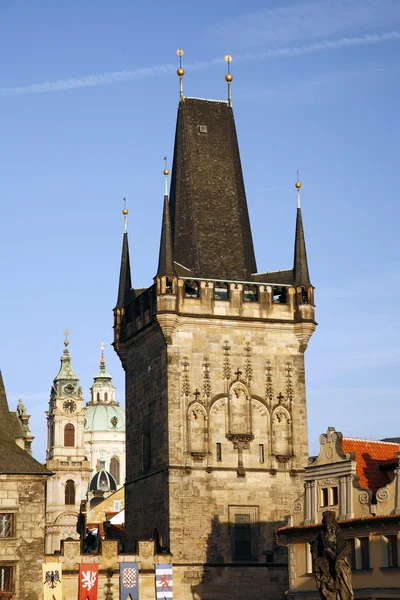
(180, 71)
(298, 184)
(228, 77)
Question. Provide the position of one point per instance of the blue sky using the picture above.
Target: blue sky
(88, 99)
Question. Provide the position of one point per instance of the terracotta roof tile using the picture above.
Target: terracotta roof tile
(369, 455)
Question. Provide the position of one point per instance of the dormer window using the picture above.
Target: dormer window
(329, 496)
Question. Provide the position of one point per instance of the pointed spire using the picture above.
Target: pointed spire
(229, 78)
(300, 267)
(180, 72)
(103, 389)
(66, 373)
(166, 256)
(125, 283)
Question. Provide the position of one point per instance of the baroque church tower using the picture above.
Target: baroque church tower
(215, 384)
(66, 456)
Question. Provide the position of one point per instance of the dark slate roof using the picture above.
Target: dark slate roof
(279, 277)
(210, 221)
(125, 283)
(166, 258)
(14, 460)
(300, 266)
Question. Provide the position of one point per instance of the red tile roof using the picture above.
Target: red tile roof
(369, 455)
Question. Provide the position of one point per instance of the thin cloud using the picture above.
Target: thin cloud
(307, 20)
(159, 70)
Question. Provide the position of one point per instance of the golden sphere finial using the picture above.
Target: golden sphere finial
(125, 211)
(166, 172)
(180, 72)
(298, 185)
(228, 77)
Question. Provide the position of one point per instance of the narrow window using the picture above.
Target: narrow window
(221, 291)
(146, 452)
(105, 397)
(117, 505)
(250, 293)
(242, 534)
(69, 435)
(393, 556)
(6, 525)
(309, 568)
(279, 295)
(334, 496)
(304, 296)
(364, 551)
(114, 468)
(6, 579)
(192, 289)
(324, 497)
(261, 452)
(168, 285)
(219, 452)
(70, 492)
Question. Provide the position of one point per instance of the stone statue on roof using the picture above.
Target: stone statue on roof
(331, 564)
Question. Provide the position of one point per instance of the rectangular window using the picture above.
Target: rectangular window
(242, 533)
(334, 496)
(324, 496)
(6, 579)
(364, 552)
(117, 505)
(146, 450)
(392, 550)
(261, 452)
(6, 525)
(219, 452)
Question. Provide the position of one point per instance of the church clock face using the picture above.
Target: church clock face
(69, 406)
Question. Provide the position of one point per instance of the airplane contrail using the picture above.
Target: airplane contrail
(158, 70)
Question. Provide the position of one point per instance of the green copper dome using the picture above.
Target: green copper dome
(104, 417)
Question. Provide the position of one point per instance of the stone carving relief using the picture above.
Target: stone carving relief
(239, 409)
(382, 495)
(269, 391)
(248, 371)
(289, 383)
(282, 433)
(226, 370)
(185, 378)
(197, 424)
(206, 380)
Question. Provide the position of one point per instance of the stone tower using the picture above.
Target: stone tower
(65, 456)
(104, 435)
(215, 386)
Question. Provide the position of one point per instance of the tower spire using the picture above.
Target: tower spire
(166, 256)
(300, 266)
(125, 282)
(229, 78)
(180, 72)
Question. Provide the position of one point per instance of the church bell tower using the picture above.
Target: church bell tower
(65, 455)
(213, 353)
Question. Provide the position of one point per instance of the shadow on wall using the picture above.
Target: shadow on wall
(243, 560)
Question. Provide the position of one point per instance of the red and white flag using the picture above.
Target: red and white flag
(88, 581)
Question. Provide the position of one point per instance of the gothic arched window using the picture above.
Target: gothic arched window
(69, 435)
(70, 492)
(114, 468)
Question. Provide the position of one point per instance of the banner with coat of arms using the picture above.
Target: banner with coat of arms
(52, 581)
(129, 581)
(164, 582)
(88, 581)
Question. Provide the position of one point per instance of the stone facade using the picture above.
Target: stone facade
(217, 431)
(22, 552)
(359, 481)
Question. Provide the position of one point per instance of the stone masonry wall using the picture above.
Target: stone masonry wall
(23, 495)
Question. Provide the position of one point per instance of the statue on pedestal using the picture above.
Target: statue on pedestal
(331, 566)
